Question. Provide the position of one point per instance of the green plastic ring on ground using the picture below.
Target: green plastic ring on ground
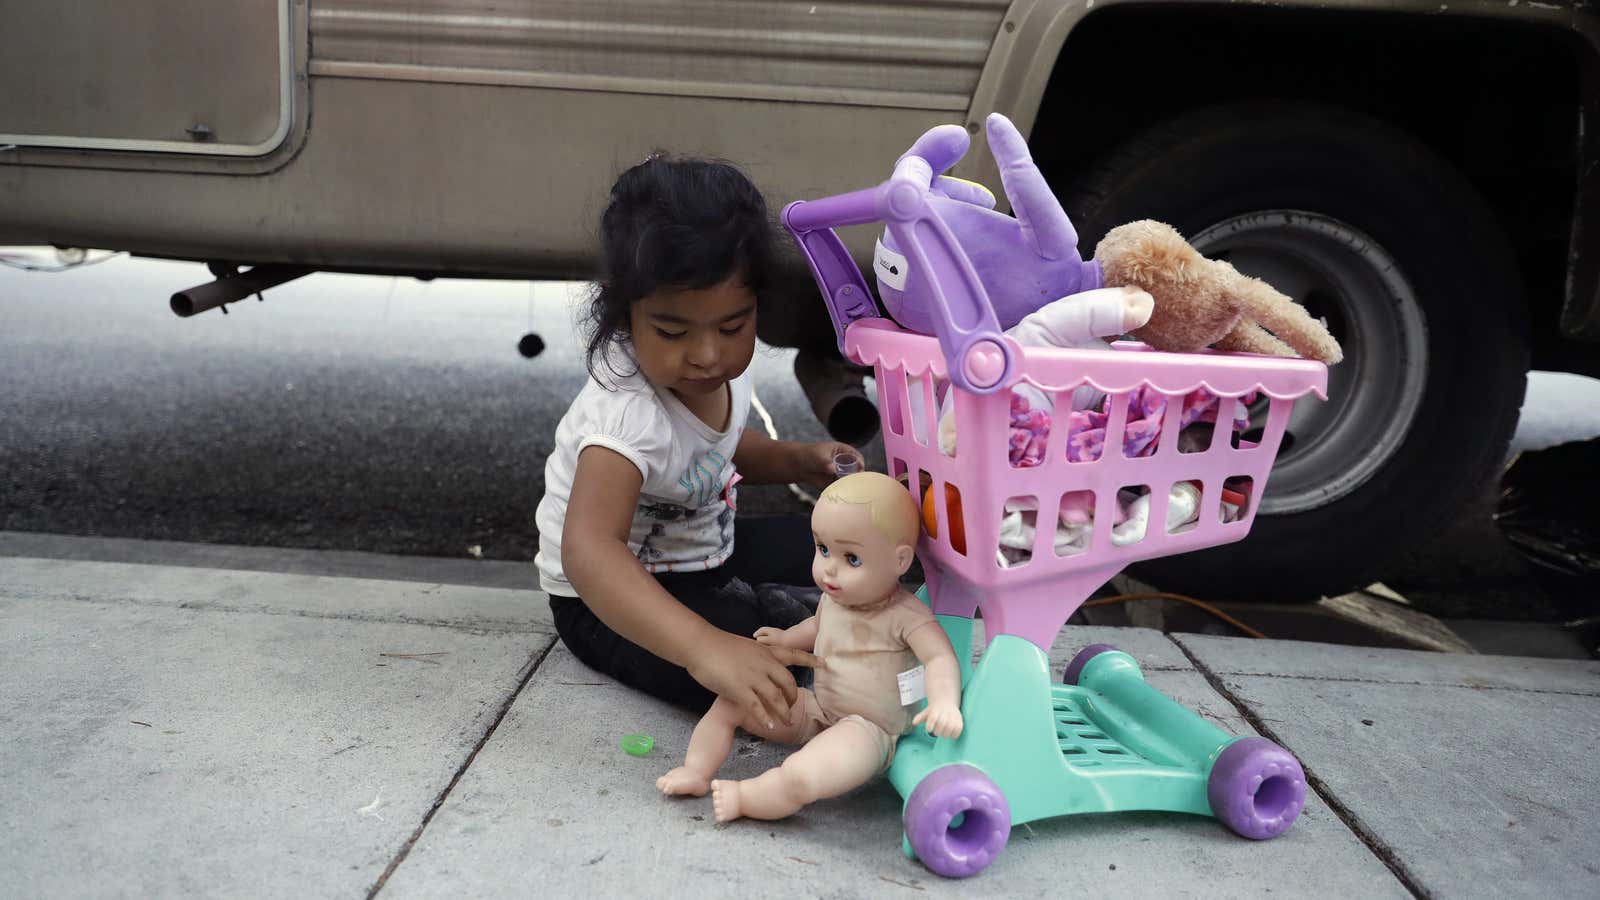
(638, 744)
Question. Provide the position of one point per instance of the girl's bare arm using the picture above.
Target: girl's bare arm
(762, 460)
(596, 559)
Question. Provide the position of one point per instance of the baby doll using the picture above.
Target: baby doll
(867, 630)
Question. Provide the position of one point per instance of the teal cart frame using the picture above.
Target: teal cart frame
(1034, 748)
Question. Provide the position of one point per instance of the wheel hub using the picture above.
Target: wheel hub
(1339, 274)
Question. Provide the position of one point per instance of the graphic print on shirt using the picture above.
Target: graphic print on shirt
(725, 531)
(680, 532)
(648, 553)
(703, 478)
(664, 512)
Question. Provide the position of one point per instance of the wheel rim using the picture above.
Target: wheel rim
(956, 820)
(1338, 273)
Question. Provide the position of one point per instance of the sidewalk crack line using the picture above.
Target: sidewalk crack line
(438, 802)
(1337, 679)
(1372, 842)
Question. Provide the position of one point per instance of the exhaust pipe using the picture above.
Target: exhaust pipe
(229, 288)
(838, 397)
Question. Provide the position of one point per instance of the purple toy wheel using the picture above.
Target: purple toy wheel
(966, 849)
(1256, 788)
(1075, 668)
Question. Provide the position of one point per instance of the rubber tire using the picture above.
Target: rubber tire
(1208, 166)
(937, 799)
(1246, 770)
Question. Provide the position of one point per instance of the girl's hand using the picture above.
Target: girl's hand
(770, 635)
(815, 465)
(752, 675)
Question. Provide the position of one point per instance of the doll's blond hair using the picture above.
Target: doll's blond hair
(889, 504)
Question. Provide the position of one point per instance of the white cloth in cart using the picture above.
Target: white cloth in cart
(1018, 526)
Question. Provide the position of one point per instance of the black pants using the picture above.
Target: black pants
(768, 553)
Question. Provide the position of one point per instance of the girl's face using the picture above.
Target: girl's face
(692, 341)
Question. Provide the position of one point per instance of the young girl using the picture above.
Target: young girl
(637, 536)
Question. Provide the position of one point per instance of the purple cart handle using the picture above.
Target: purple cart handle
(981, 358)
(843, 288)
(855, 208)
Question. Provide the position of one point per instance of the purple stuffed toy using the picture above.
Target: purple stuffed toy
(1023, 262)
(1027, 262)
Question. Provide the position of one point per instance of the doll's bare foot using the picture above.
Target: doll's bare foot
(683, 782)
(725, 800)
(1137, 305)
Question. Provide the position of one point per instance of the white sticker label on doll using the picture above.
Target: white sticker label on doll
(912, 685)
(890, 267)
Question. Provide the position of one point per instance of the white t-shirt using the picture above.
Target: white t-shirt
(684, 520)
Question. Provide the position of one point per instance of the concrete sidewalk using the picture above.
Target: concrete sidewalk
(191, 731)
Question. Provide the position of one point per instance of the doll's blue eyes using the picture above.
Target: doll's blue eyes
(851, 558)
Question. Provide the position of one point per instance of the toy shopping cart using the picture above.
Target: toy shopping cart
(1103, 740)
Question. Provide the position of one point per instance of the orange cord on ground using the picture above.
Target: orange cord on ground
(1123, 598)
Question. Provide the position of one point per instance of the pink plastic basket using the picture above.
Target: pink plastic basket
(1034, 599)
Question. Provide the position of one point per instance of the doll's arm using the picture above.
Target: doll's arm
(943, 679)
(801, 637)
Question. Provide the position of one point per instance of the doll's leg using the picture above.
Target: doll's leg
(713, 738)
(843, 757)
(708, 747)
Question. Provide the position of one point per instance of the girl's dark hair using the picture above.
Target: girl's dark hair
(674, 223)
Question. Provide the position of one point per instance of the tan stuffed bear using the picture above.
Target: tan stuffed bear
(1204, 302)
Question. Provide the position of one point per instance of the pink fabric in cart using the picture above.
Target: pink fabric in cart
(1030, 429)
(1086, 428)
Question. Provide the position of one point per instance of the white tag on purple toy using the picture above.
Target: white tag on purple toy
(889, 266)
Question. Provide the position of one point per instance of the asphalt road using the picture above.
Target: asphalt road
(395, 416)
(344, 412)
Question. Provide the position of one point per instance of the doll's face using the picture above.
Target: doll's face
(854, 563)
